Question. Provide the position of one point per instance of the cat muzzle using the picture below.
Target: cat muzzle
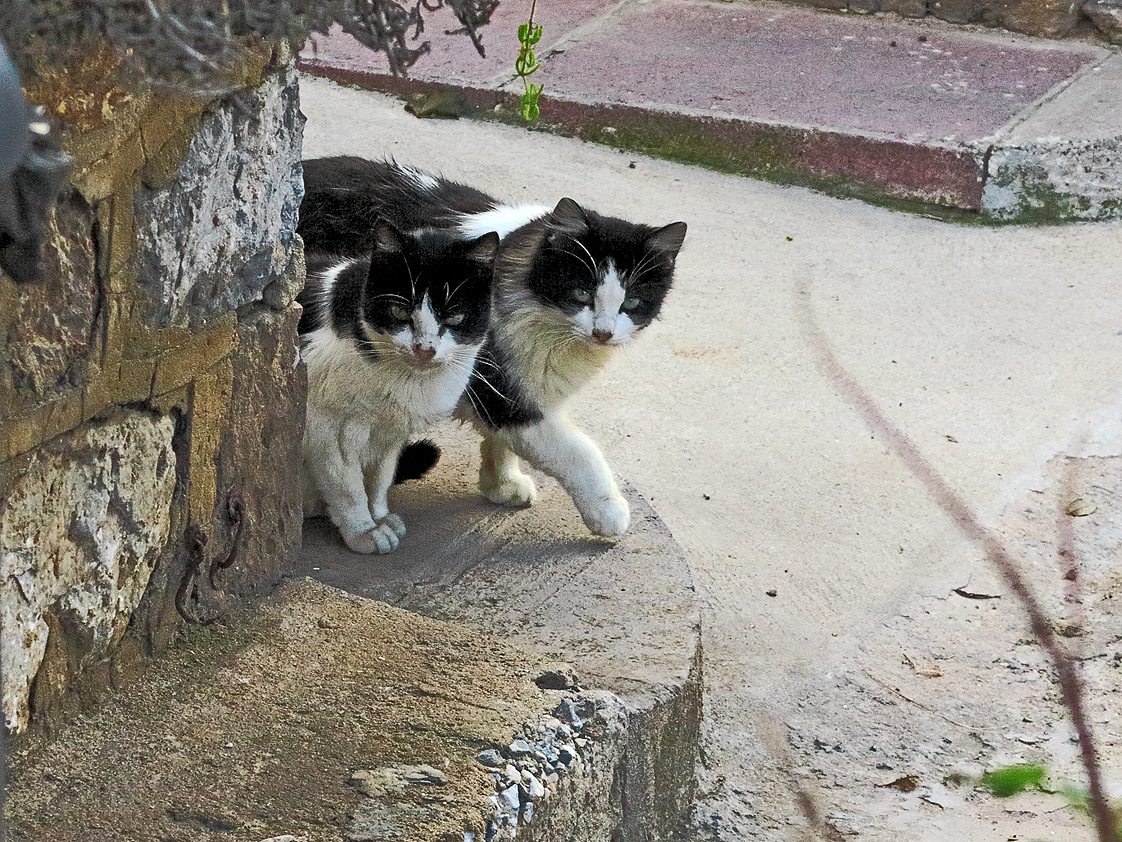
(602, 336)
(423, 355)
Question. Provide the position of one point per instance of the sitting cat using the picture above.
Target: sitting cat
(390, 341)
(571, 286)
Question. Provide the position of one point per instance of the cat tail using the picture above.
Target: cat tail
(415, 460)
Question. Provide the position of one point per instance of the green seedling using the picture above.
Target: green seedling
(527, 64)
(1013, 779)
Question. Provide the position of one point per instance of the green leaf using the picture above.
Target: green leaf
(529, 100)
(536, 35)
(1013, 779)
(523, 32)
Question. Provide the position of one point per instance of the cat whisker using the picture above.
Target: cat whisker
(392, 296)
(648, 264)
(590, 266)
(449, 296)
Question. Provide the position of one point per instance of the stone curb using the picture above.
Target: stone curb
(324, 716)
(1053, 181)
(1062, 159)
(926, 117)
(623, 614)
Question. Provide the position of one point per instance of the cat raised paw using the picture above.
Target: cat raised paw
(607, 516)
(514, 490)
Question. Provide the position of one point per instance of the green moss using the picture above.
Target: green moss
(1040, 203)
(764, 157)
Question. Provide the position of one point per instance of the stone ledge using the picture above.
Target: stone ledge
(624, 613)
(322, 716)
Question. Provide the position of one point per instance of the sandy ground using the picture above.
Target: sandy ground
(999, 351)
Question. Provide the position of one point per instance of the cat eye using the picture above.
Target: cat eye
(454, 319)
(582, 296)
(630, 303)
(400, 313)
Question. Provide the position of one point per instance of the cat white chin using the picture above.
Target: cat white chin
(614, 342)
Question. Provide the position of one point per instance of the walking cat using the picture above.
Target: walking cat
(571, 287)
(390, 341)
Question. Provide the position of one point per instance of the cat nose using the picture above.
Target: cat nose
(602, 336)
(423, 354)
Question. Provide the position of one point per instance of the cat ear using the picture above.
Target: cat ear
(668, 239)
(483, 249)
(387, 239)
(569, 217)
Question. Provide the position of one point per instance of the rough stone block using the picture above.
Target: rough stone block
(199, 352)
(259, 503)
(864, 7)
(1047, 18)
(207, 240)
(103, 178)
(49, 329)
(958, 11)
(134, 381)
(905, 8)
(1106, 15)
(86, 516)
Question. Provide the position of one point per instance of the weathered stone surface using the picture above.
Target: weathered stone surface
(85, 518)
(49, 327)
(1048, 18)
(905, 8)
(259, 505)
(213, 238)
(1106, 15)
(1064, 161)
(1055, 180)
(253, 729)
(622, 615)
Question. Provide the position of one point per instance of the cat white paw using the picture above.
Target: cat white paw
(515, 490)
(382, 538)
(608, 516)
(395, 523)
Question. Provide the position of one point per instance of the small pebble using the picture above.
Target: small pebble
(491, 758)
(510, 797)
(568, 713)
(527, 811)
(521, 747)
(533, 786)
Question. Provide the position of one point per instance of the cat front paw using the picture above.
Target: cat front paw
(515, 490)
(382, 538)
(395, 523)
(608, 516)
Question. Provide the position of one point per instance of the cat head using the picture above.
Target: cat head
(427, 296)
(607, 276)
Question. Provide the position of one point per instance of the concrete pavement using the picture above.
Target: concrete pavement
(999, 350)
(911, 113)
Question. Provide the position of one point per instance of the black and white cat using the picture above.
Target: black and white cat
(571, 287)
(390, 341)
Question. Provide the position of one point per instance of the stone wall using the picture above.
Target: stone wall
(1047, 18)
(151, 395)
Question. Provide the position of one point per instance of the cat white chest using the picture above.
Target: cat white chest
(393, 395)
(552, 362)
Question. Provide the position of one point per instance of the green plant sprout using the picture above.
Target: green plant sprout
(1011, 780)
(526, 64)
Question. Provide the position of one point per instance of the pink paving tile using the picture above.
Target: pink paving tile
(453, 58)
(806, 68)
